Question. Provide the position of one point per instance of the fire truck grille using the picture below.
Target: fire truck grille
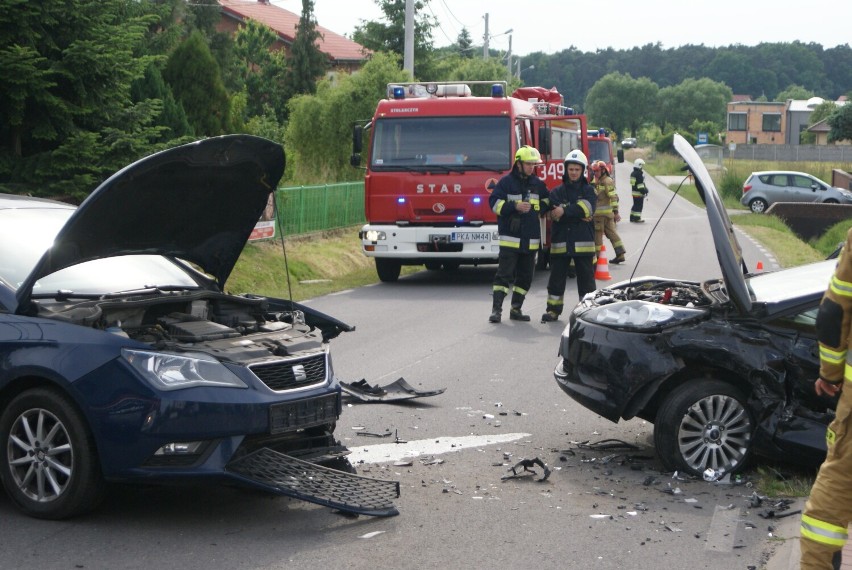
(291, 374)
(444, 247)
(429, 213)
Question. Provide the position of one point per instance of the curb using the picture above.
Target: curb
(786, 555)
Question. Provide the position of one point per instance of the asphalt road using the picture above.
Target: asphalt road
(598, 509)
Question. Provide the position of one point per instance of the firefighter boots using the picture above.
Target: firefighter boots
(618, 259)
(516, 315)
(549, 317)
(497, 307)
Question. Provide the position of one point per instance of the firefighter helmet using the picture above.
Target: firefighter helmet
(598, 166)
(577, 157)
(639, 163)
(528, 154)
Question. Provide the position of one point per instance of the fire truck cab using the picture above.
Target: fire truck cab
(434, 153)
(602, 148)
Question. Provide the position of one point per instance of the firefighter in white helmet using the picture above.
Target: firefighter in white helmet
(572, 234)
(828, 510)
(638, 190)
(517, 199)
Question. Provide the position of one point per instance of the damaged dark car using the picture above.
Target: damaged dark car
(724, 369)
(124, 359)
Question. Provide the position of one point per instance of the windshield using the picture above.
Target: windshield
(26, 233)
(453, 142)
(599, 150)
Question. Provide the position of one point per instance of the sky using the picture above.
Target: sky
(549, 26)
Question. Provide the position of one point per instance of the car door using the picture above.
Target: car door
(803, 420)
(776, 188)
(802, 189)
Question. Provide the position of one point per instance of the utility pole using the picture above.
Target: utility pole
(408, 56)
(485, 39)
(509, 57)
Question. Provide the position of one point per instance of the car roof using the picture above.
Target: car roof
(16, 201)
(762, 172)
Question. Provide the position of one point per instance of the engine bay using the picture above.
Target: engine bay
(663, 291)
(235, 328)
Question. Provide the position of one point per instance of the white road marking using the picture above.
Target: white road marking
(386, 452)
(723, 529)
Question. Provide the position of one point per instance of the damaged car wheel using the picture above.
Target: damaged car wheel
(704, 425)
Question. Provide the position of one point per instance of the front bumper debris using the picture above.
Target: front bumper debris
(283, 474)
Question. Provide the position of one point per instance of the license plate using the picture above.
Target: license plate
(469, 237)
(303, 413)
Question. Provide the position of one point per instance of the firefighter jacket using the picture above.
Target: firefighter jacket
(834, 321)
(519, 231)
(637, 183)
(607, 198)
(574, 232)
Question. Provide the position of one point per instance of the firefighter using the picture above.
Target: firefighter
(606, 210)
(572, 234)
(828, 510)
(517, 199)
(637, 190)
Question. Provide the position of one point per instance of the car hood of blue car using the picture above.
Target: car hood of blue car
(197, 202)
(728, 249)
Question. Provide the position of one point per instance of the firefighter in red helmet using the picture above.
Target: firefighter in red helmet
(606, 210)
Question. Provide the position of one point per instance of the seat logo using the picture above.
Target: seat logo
(299, 372)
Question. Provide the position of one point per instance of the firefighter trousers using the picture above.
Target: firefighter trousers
(559, 276)
(636, 211)
(605, 226)
(514, 273)
(828, 510)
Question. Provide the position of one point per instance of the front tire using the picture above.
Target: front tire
(48, 459)
(388, 269)
(704, 424)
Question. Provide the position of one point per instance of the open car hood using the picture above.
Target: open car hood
(198, 202)
(728, 249)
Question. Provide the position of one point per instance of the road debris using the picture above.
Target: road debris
(527, 465)
(396, 391)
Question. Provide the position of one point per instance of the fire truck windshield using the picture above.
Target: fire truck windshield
(453, 143)
(599, 150)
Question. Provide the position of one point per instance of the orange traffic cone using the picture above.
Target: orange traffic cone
(602, 267)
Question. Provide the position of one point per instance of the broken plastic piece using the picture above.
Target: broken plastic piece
(399, 390)
(609, 445)
(527, 465)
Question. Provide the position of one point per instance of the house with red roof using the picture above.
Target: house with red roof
(343, 54)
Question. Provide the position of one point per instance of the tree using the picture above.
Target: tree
(319, 132)
(307, 62)
(67, 117)
(794, 92)
(841, 124)
(172, 118)
(464, 44)
(263, 71)
(620, 102)
(390, 36)
(691, 99)
(196, 82)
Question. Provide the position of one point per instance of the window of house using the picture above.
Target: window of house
(772, 122)
(737, 121)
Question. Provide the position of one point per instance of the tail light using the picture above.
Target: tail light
(746, 188)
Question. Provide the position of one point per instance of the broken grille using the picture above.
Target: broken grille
(306, 481)
(290, 374)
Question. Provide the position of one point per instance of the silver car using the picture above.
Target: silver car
(761, 189)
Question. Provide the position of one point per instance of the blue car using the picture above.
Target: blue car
(123, 359)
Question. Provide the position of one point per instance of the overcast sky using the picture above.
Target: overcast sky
(550, 26)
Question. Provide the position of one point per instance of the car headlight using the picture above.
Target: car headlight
(167, 371)
(640, 315)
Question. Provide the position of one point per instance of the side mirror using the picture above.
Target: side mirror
(357, 139)
(544, 140)
(355, 160)
(620, 154)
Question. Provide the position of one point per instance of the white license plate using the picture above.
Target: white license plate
(469, 237)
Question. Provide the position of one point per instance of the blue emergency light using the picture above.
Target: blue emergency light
(477, 199)
(459, 218)
(497, 90)
(602, 132)
(398, 92)
(400, 200)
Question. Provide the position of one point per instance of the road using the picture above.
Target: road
(598, 509)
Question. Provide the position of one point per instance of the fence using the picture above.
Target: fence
(792, 152)
(308, 209)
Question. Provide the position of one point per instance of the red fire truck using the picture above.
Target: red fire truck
(601, 148)
(435, 152)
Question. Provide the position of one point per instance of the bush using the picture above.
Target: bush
(666, 142)
(832, 237)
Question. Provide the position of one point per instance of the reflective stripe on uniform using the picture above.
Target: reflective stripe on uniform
(585, 247)
(518, 290)
(840, 287)
(501, 289)
(833, 356)
(554, 301)
(823, 532)
(586, 206)
(561, 247)
(510, 241)
(498, 206)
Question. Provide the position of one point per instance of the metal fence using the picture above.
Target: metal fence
(792, 152)
(308, 209)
